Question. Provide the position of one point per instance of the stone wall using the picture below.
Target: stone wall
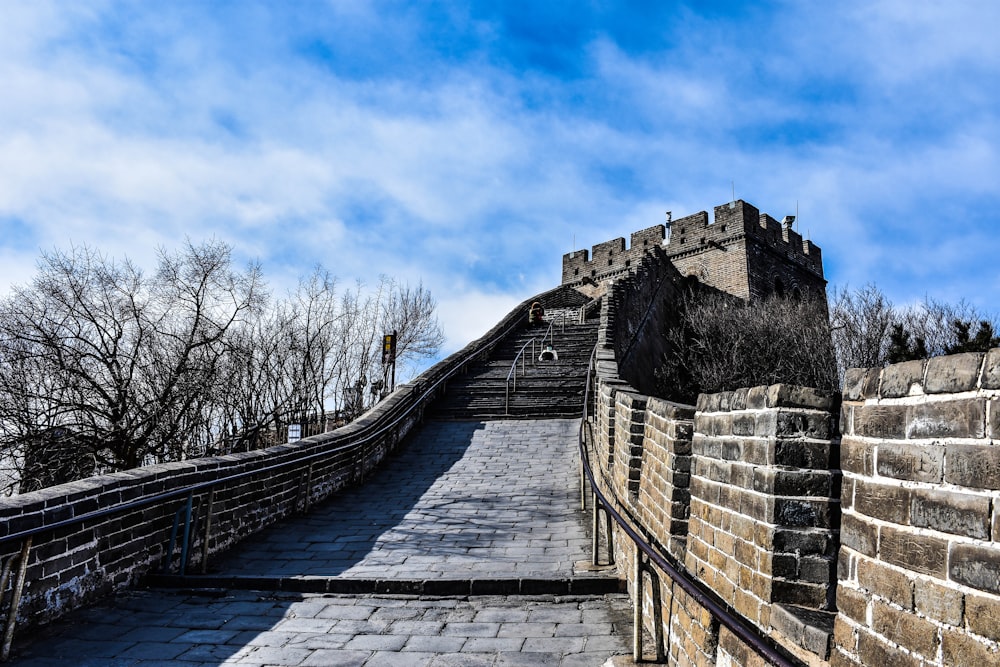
(741, 251)
(920, 559)
(74, 565)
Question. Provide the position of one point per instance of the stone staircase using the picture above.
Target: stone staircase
(547, 389)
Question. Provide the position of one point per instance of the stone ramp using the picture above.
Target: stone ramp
(477, 522)
(463, 508)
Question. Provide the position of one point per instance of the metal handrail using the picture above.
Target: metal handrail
(753, 637)
(513, 372)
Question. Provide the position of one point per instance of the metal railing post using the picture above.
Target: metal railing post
(208, 531)
(15, 599)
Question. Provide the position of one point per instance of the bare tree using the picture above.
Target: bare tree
(105, 368)
(869, 331)
(721, 343)
(123, 360)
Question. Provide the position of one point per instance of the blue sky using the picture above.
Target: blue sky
(466, 145)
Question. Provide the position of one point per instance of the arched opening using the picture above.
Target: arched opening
(779, 288)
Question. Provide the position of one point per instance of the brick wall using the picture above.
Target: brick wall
(764, 511)
(742, 493)
(920, 559)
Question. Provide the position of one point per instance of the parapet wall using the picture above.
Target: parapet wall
(920, 556)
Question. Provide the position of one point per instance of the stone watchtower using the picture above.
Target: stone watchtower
(743, 252)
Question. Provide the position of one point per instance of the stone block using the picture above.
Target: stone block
(806, 541)
(964, 418)
(801, 593)
(906, 461)
(983, 616)
(815, 455)
(756, 398)
(905, 629)
(802, 512)
(991, 370)
(738, 400)
(951, 512)
(880, 421)
(793, 396)
(973, 466)
(938, 601)
(854, 381)
(898, 378)
(882, 501)
(953, 373)
(804, 424)
(743, 424)
(886, 582)
(874, 652)
(958, 648)
(853, 603)
(782, 482)
(847, 420)
(857, 457)
(912, 551)
(976, 566)
(873, 380)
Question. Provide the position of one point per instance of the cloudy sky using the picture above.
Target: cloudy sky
(467, 145)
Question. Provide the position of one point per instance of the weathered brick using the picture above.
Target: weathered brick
(983, 616)
(958, 648)
(918, 463)
(793, 396)
(804, 424)
(882, 501)
(964, 418)
(912, 551)
(873, 379)
(976, 566)
(847, 419)
(857, 456)
(973, 466)
(853, 604)
(991, 370)
(806, 513)
(951, 512)
(993, 419)
(756, 398)
(854, 380)
(938, 601)
(880, 421)
(803, 454)
(906, 629)
(953, 373)
(782, 482)
(813, 596)
(874, 652)
(898, 378)
(886, 582)
(743, 424)
(858, 534)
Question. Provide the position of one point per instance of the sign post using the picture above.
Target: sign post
(389, 360)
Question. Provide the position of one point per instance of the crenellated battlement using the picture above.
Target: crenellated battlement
(741, 251)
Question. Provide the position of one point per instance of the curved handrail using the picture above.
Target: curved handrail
(751, 636)
(513, 372)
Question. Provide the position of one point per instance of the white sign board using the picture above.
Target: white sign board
(294, 432)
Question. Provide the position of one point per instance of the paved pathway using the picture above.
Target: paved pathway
(463, 501)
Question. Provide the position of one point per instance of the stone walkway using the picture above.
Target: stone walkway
(463, 503)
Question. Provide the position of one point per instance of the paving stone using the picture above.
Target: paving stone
(461, 503)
